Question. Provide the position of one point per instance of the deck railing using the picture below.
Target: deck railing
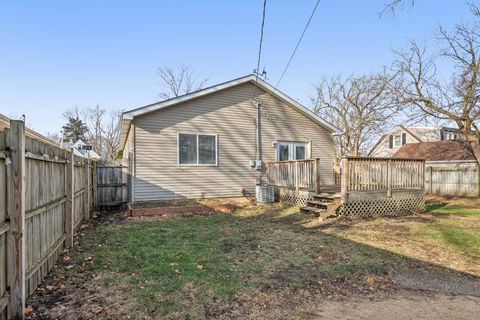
(297, 174)
(377, 174)
(358, 174)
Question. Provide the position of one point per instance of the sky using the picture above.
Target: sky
(56, 55)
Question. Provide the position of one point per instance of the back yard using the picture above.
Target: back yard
(269, 262)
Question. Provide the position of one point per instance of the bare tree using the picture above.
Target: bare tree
(54, 136)
(103, 129)
(178, 81)
(361, 107)
(457, 99)
(95, 122)
(392, 6)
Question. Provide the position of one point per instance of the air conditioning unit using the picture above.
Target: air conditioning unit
(265, 193)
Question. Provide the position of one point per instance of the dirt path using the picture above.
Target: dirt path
(404, 306)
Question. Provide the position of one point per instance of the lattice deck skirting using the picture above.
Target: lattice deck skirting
(290, 197)
(382, 207)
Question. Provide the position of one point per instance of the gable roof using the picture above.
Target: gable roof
(128, 116)
(5, 123)
(407, 130)
(380, 141)
(436, 151)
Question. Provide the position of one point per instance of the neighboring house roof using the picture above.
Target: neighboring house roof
(436, 151)
(79, 151)
(5, 123)
(410, 132)
(129, 115)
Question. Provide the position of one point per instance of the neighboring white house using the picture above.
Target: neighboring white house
(78, 150)
(391, 142)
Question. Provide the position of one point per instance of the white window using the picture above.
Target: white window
(397, 140)
(287, 150)
(197, 149)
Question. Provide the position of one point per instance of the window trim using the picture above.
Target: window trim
(394, 140)
(306, 145)
(197, 164)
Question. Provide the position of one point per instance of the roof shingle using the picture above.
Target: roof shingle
(436, 151)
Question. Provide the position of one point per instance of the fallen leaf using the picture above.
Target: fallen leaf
(88, 259)
(57, 286)
(370, 281)
(200, 266)
(66, 258)
(178, 271)
(97, 310)
(69, 267)
(49, 288)
(28, 309)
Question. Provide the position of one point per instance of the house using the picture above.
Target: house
(78, 149)
(202, 144)
(5, 124)
(400, 135)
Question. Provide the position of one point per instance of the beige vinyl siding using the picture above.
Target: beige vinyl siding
(383, 150)
(230, 115)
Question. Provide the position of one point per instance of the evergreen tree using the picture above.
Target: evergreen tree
(74, 129)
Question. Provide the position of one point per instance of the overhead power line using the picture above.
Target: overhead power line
(298, 43)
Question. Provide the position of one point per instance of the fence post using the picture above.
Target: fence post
(16, 212)
(86, 196)
(430, 187)
(69, 205)
(478, 178)
(94, 182)
(345, 179)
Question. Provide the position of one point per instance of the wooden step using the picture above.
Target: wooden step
(323, 198)
(315, 211)
(318, 203)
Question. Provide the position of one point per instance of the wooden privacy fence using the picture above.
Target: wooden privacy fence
(453, 178)
(381, 186)
(45, 193)
(112, 185)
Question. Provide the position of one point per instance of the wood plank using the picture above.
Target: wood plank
(69, 203)
(16, 211)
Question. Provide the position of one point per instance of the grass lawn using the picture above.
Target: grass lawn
(259, 261)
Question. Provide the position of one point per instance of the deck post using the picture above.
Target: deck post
(69, 206)
(316, 177)
(297, 179)
(389, 178)
(345, 179)
(16, 212)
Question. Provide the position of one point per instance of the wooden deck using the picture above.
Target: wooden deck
(369, 186)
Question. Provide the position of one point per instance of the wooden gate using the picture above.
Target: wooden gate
(112, 186)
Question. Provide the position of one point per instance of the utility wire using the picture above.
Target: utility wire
(260, 48)
(293, 53)
(298, 43)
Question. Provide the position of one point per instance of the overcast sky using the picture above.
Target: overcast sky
(58, 54)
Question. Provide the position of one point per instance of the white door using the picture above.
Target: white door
(291, 151)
